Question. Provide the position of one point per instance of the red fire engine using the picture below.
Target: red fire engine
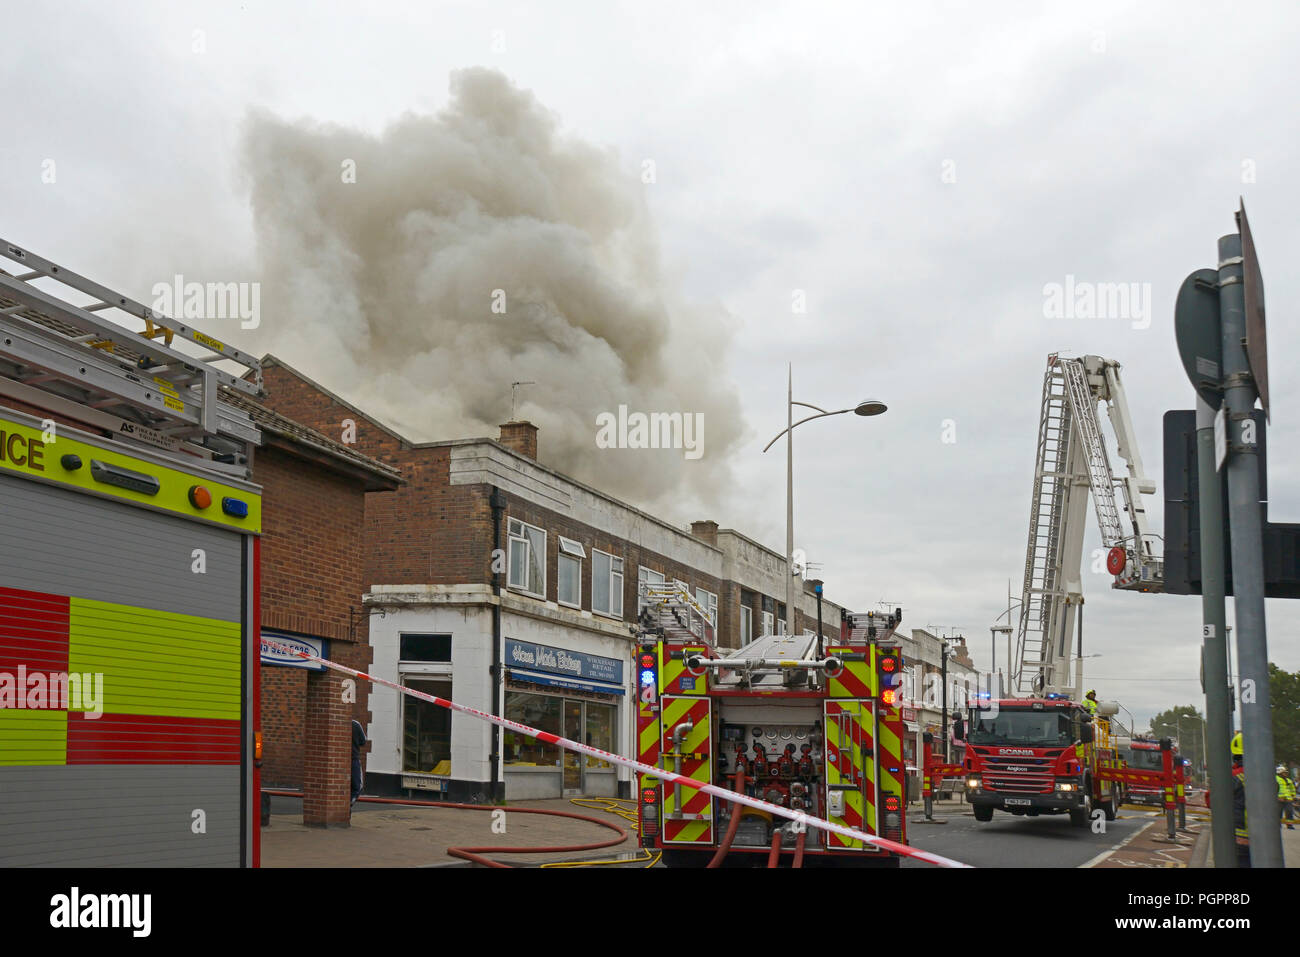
(785, 720)
(1032, 756)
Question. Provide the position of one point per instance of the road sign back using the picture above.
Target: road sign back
(1253, 282)
(1196, 329)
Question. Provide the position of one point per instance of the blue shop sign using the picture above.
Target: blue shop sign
(571, 664)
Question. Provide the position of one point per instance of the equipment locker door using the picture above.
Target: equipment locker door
(685, 747)
(850, 770)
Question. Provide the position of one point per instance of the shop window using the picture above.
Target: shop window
(600, 732)
(527, 558)
(426, 729)
(543, 712)
(425, 647)
(606, 584)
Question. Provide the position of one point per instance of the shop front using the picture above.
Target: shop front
(571, 694)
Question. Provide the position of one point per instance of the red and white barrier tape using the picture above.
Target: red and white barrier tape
(669, 776)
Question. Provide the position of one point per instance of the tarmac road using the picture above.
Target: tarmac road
(1048, 840)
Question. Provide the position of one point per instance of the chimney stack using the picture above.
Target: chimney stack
(520, 437)
(706, 532)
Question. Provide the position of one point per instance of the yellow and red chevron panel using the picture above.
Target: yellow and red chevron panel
(857, 679)
(851, 768)
(893, 770)
(674, 676)
(693, 822)
(163, 688)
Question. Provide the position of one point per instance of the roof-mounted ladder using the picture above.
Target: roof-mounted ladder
(78, 356)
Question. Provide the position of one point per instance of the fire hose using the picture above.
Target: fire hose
(775, 854)
(670, 777)
(734, 824)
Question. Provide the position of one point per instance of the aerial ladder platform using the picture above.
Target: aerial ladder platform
(1072, 464)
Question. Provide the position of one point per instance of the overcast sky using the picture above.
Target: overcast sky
(917, 176)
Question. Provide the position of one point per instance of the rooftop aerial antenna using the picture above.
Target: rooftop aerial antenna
(514, 396)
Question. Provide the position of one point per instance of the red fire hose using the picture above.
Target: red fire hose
(734, 825)
(474, 854)
(775, 854)
(798, 849)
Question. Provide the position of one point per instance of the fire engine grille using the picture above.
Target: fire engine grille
(1019, 775)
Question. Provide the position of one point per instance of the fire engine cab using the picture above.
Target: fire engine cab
(794, 721)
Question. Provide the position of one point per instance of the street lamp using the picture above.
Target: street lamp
(1008, 629)
(866, 407)
(994, 631)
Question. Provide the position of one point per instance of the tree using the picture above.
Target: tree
(1185, 716)
(1284, 695)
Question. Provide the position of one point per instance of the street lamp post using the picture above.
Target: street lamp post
(1007, 629)
(994, 631)
(866, 407)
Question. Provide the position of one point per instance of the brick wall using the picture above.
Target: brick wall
(312, 577)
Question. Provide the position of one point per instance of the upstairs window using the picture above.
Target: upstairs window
(606, 584)
(527, 558)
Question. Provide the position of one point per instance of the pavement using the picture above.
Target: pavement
(394, 835)
(1290, 848)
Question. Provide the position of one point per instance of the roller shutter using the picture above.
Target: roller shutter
(138, 757)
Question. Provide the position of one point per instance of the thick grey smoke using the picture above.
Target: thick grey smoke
(383, 289)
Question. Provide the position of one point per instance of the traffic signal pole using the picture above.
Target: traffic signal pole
(1245, 521)
(1214, 650)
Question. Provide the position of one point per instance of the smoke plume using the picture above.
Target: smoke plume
(479, 247)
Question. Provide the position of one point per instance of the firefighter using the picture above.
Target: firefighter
(1285, 795)
(1239, 830)
(1090, 702)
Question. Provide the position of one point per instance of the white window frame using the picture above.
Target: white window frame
(520, 538)
(746, 625)
(710, 604)
(614, 573)
(769, 623)
(643, 575)
(559, 563)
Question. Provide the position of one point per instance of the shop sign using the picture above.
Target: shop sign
(558, 661)
(312, 646)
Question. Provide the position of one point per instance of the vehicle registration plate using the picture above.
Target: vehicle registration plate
(1016, 801)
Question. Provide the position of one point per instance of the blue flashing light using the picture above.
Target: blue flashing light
(647, 677)
(236, 508)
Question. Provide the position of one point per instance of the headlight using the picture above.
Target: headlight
(973, 782)
(1066, 786)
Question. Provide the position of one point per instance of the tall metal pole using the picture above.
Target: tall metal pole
(1244, 522)
(789, 503)
(1214, 624)
(943, 669)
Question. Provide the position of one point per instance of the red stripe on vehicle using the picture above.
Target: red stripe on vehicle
(33, 631)
(151, 739)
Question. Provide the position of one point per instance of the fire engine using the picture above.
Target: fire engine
(1032, 756)
(128, 582)
(784, 719)
(1146, 754)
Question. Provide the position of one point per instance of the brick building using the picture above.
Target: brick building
(312, 573)
(510, 587)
